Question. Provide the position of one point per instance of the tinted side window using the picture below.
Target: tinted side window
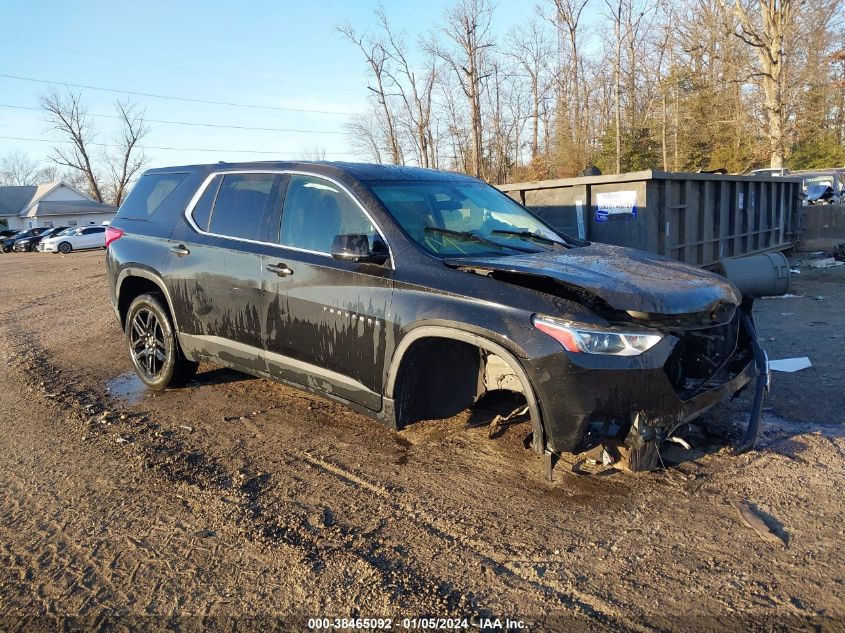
(202, 210)
(315, 211)
(148, 194)
(241, 204)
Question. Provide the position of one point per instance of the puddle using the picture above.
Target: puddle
(128, 387)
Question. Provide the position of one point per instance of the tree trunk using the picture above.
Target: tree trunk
(767, 39)
(663, 144)
(617, 87)
(576, 90)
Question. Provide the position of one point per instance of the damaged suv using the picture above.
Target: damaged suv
(408, 294)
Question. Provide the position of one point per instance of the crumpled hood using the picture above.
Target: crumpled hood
(625, 278)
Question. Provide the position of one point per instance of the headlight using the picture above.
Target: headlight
(580, 338)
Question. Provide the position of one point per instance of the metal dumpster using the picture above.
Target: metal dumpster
(695, 218)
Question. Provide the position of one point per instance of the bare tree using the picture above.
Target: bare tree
(766, 33)
(315, 153)
(416, 93)
(107, 175)
(467, 26)
(567, 18)
(377, 59)
(124, 164)
(687, 84)
(530, 48)
(69, 118)
(457, 133)
(366, 135)
(19, 169)
(72, 177)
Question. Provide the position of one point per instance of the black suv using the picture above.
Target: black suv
(407, 294)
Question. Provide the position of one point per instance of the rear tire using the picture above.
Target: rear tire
(65, 248)
(153, 346)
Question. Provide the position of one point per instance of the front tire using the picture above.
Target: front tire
(153, 347)
(65, 248)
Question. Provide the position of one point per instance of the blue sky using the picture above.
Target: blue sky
(279, 54)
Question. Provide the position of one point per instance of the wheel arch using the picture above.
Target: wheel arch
(132, 282)
(423, 332)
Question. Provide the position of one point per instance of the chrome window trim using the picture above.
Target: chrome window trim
(189, 210)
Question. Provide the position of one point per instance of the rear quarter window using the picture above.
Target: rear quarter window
(149, 194)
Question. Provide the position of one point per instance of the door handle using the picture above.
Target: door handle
(180, 250)
(280, 269)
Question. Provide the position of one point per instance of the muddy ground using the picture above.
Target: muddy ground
(240, 504)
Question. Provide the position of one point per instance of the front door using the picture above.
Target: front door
(325, 318)
(214, 269)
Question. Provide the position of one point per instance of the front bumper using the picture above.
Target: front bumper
(587, 398)
(22, 247)
(48, 248)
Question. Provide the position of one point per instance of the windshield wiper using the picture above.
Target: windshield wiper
(474, 237)
(532, 236)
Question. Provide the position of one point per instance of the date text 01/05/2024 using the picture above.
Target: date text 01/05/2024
(435, 624)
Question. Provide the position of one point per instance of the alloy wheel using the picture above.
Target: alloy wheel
(146, 343)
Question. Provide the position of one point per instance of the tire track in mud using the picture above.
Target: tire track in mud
(288, 527)
(584, 603)
(178, 462)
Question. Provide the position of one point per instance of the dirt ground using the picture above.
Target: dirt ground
(240, 504)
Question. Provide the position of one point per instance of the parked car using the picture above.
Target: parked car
(824, 187)
(75, 239)
(30, 244)
(9, 243)
(4, 235)
(772, 172)
(407, 294)
(65, 231)
(820, 193)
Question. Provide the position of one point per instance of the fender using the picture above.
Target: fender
(149, 274)
(145, 272)
(538, 443)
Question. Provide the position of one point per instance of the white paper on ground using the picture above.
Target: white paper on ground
(790, 364)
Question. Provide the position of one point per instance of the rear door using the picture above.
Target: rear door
(214, 268)
(325, 318)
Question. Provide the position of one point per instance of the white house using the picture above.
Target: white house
(51, 204)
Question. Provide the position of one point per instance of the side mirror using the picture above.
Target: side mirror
(356, 248)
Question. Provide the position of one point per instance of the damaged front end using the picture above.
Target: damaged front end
(630, 404)
(669, 342)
